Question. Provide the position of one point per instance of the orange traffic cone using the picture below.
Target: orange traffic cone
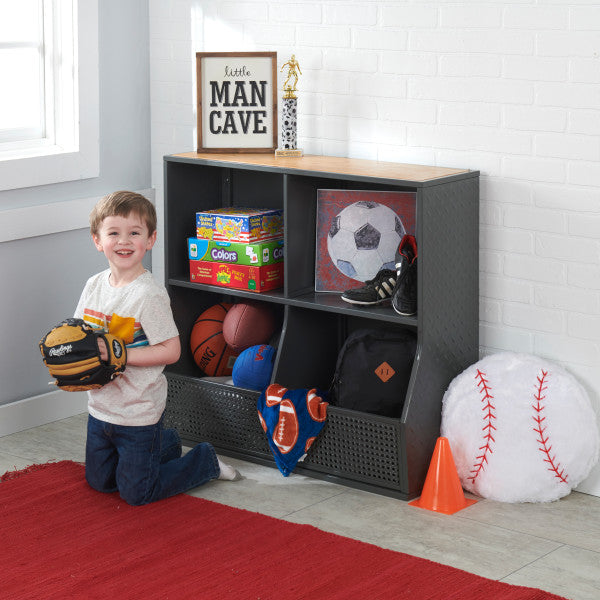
(442, 491)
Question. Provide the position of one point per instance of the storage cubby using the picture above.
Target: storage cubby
(379, 454)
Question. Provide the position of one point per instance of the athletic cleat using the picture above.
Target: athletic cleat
(375, 291)
(404, 296)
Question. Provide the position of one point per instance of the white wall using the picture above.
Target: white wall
(511, 89)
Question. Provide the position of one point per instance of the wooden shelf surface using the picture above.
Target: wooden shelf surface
(332, 164)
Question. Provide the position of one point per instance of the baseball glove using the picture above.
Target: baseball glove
(70, 351)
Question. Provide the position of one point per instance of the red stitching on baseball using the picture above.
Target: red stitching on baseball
(488, 428)
(543, 438)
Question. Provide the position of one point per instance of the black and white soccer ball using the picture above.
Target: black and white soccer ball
(363, 239)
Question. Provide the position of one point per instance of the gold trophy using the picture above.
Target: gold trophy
(289, 111)
(288, 88)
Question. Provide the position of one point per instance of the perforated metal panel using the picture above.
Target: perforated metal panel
(359, 446)
(215, 413)
(355, 446)
(448, 260)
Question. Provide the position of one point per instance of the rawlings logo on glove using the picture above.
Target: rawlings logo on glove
(71, 353)
(60, 351)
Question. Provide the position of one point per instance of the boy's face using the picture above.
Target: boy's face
(124, 241)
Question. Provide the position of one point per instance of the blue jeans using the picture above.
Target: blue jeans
(144, 464)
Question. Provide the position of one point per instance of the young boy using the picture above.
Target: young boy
(127, 447)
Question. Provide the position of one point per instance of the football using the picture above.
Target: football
(274, 394)
(317, 409)
(285, 435)
(248, 324)
(363, 239)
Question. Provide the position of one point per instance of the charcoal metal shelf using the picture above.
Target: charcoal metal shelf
(380, 454)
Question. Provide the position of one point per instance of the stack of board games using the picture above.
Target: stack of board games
(239, 248)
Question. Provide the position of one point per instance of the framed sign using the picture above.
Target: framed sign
(237, 101)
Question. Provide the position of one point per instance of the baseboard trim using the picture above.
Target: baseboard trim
(39, 410)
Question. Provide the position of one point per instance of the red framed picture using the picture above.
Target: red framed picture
(358, 233)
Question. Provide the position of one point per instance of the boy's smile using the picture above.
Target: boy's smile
(124, 241)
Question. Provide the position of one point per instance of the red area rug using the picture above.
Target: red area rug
(60, 539)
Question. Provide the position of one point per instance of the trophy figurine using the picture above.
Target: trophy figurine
(289, 111)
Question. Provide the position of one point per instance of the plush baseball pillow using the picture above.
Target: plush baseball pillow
(521, 429)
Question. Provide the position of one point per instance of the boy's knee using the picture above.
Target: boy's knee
(99, 484)
(134, 499)
(134, 495)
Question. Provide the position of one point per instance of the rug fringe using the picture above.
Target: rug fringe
(10, 475)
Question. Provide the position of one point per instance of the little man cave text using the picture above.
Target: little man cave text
(237, 102)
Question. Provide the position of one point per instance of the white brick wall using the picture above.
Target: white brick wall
(511, 89)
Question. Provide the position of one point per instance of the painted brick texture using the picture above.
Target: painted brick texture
(511, 89)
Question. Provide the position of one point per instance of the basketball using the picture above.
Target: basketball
(253, 367)
(209, 349)
(249, 324)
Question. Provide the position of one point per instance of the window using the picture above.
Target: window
(22, 69)
(49, 104)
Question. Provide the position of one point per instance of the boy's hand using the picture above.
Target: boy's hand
(102, 348)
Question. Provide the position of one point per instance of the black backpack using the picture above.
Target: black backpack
(373, 371)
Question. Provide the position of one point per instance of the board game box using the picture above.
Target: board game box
(242, 225)
(259, 254)
(241, 277)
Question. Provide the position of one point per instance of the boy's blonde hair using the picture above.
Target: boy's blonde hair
(122, 204)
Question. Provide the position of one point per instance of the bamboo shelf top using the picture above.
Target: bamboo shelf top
(332, 164)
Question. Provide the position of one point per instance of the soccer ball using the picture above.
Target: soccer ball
(363, 239)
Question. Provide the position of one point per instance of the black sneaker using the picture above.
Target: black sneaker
(404, 296)
(375, 291)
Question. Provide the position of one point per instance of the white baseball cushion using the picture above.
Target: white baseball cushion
(521, 429)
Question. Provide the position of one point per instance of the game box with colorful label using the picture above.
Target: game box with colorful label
(242, 225)
(260, 254)
(240, 277)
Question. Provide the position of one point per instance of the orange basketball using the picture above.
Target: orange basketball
(209, 349)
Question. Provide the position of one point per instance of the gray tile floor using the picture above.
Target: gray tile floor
(553, 546)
